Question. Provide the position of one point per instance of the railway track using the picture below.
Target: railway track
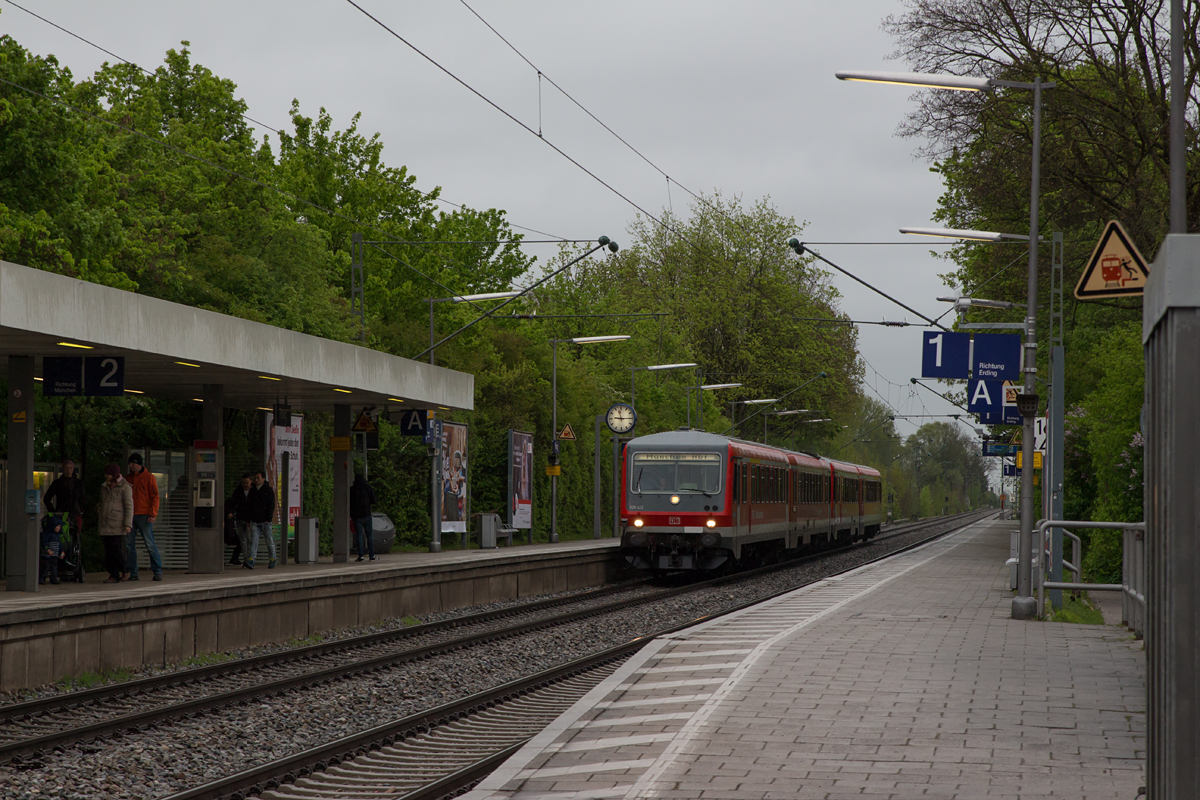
(37, 727)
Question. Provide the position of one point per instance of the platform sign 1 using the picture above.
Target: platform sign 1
(1011, 471)
(997, 357)
(945, 355)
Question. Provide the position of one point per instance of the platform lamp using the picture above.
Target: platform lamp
(554, 419)
(1024, 605)
(653, 368)
(464, 298)
(762, 402)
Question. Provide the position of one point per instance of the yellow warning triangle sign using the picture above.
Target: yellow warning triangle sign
(567, 433)
(1116, 268)
(364, 424)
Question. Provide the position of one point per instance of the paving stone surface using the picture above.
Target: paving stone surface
(905, 679)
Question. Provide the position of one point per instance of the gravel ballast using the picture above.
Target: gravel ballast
(176, 756)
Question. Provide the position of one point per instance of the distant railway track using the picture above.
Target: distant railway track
(34, 729)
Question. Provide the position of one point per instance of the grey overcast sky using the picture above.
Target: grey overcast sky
(736, 97)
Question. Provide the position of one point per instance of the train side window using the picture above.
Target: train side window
(734, 488)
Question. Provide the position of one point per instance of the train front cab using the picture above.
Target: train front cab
(675, 502)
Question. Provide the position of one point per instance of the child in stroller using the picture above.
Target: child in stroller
(60, 550)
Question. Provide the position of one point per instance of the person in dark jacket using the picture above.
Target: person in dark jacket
(232, 539)
(65, 496)
(262, 514)
(241, 517)
(362, 498)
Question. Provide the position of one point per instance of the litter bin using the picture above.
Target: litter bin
(383, 533)
(306, 540)
(488, 524)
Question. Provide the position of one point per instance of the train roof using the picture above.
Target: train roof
(702, 440)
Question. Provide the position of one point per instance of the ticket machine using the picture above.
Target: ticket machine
(206, 523)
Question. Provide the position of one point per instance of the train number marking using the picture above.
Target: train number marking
(673, 521)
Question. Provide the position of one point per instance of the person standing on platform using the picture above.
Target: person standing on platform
(262, 514)
(116, 521)
(65, 496)
(51, 547)
(241, 505)
(145, 510)
(362, 498)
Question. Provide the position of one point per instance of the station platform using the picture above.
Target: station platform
(902, 679)
(71, 629)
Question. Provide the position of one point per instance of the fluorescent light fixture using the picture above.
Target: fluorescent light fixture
(261, 408)
(395, 399)
(72, 344)
(269, 378)
(134, 391)
(343, 391)
(966, 302)
(197, 400)
(973, 236)
(38, 379)
(760, 402)
(595, 339)
(817, 420)
(961, 83)
(468, 298)
(186, 364)
(657, 367)
(721, 386)
(785, 413)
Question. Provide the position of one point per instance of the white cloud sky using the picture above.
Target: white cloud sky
(730, 96)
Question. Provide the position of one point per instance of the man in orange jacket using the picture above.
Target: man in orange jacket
(145, 509)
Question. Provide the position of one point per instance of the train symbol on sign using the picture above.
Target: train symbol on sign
(1111, 271)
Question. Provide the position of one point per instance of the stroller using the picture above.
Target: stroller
(70, 566)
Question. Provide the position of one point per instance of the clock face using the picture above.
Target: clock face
(621, 418)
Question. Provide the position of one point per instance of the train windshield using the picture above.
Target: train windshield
(675, 473)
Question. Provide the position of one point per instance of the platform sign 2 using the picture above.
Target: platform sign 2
(945, 355)
(413, 422)
(997, 357)
(985, 397)
(93, 376)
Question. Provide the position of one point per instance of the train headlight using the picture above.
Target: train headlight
(637, 523)
(674, 499)
(712, 523)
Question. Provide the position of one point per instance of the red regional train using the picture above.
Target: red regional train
(695, 501)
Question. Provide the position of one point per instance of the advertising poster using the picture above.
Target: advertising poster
(454, 477)
(279, 441)
(520, 479)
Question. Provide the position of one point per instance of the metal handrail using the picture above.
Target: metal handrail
(1045, 524)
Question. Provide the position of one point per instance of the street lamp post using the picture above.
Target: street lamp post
(467, 298)
(554, 418)
(652, 368)
(1024, 605)
(733, 404)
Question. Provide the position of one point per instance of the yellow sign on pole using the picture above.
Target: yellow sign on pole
(554, 470)
(337, 443)
(1116, 268)
(1037, 459)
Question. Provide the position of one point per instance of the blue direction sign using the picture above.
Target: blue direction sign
(62, 376)
(413, 422)
(997, 357)
(1009, 416)
(945, 355)
(433, 432)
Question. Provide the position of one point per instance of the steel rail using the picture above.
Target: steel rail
(256, 780)
(133, 688)
(34, 746)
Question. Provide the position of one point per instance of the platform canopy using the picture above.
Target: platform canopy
(173, 350)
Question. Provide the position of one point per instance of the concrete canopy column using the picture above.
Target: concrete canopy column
(22, 530)
(206, 541)
(212, 421)
(341, 488)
